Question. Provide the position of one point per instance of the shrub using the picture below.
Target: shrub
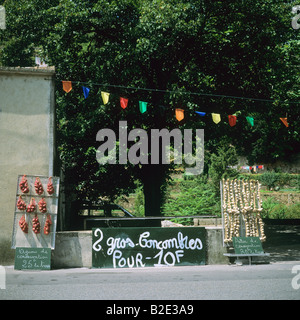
(268, 205)
(276, 210)
(220, 166)
(292, 211)
(298, 181)
(195, 198)
(139, 203)
(269, 179)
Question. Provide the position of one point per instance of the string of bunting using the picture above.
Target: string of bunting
(179, 113)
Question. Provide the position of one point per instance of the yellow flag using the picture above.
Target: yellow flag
(216, 117)
(105, 97)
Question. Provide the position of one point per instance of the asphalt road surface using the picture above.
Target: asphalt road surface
(257, 281)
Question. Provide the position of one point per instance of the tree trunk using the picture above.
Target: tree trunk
(153, 178)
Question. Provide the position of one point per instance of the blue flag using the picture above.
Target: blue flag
(202, 114)
(86, 92)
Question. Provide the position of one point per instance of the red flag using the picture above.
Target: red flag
(123, 102)
(232, 120)
(284, 120)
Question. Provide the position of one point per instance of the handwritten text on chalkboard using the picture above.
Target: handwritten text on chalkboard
(247, 245)
(140, 247)
(33, 258)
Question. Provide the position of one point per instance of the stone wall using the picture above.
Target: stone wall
(282, 197)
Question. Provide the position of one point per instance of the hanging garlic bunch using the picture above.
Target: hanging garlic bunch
(236, 209)
(241, 200)
(259, 210)
(245, 207)
(255, 230)
(230, 211)
(252, 206)
(225, 213)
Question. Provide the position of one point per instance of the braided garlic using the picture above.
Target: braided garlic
(242, 200)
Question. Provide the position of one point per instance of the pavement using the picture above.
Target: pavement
(270, 278)
(283, 242)
(273, 281)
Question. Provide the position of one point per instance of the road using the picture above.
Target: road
(260, 281)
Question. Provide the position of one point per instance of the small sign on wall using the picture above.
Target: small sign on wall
(148, 247)
(32, 258)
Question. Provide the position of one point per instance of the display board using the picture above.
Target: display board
(241, 205)
(35, 213)
(33, 258)
(247, 245)
(148, 247)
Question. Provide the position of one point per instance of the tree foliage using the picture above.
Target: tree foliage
(199, 55)
(222, 166)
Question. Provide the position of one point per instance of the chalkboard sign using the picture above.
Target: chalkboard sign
(33, 258)
(247, 245)
(147, 247)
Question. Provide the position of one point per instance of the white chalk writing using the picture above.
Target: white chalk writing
(166, 252)
(180, 242)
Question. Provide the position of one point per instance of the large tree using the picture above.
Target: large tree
(211, 56)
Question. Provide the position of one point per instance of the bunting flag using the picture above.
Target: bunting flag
(284, 120)
(67, 86)
(123, 102)
(216, 117)
(202, 114)
(250, 121)
(179, 114)
(143, 106)
(86, 92)
(232, 120)
(250, 167)
(105, 97)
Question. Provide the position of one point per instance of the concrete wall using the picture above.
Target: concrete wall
(73, 249)
(26, 136)
(215, 249)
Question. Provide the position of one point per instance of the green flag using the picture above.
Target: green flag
(250, 121)
(143, 106)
